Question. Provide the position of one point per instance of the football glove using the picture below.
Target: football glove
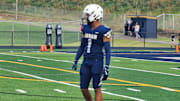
(74, 67)
(105, 73)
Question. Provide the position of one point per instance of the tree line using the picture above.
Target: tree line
(154, 7)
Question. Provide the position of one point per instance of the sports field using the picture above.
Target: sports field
(44, 76)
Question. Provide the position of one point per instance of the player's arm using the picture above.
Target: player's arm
(79, 52)
(107, 48)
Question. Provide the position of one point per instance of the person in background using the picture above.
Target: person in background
(172, 40)
(126, 26)
(136, 30)
(131, 28)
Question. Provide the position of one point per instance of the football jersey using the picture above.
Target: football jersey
(94, 40)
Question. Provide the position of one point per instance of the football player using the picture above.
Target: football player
(95, 37)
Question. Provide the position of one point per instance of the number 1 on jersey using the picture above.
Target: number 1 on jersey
(89, 45)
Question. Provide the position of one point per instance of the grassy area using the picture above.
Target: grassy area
(136, 43)
(51, 66)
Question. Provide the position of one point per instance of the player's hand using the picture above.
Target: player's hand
(74, 67)
(105, 74)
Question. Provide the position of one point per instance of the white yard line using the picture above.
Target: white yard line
(60, 91)
(133, 59)
(175, 68)
(123, 96)
(146, 60)
(21, 91)
(135, 90)
(42, 78)
(110, 66)
(37, 57)
(144, 71)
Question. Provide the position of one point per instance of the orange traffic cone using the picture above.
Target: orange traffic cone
(43, 48)
(51, 48)
(177, 48)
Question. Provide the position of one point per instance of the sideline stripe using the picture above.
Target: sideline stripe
(140, 84)
(110, 66)
(60, 82)
(25, 79)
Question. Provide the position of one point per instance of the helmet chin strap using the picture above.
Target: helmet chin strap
(89, 23)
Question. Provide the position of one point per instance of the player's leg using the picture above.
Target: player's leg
(85, 77)
(97, 78)
(86, 94)
(98, 94)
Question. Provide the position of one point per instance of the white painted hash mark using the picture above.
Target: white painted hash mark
(21, 91)
(19, 60)
(175, 68)
(168, 89)
(60, 91)
(132, 89)
(39, 60)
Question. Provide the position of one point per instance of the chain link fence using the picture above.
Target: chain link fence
(33, 33)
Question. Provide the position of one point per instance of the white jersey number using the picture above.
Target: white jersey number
(89, 45)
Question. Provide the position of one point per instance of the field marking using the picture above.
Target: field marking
(60, 82)
(134, 60)
(26, 79)
(176, 58)
(21, 91)
(19, 60)
(146, 59)
(136, 83)
(141, 70)
(4, 77)
(135, 90)
(142, 84)
(145, 71)
(60, 91)
(123, 96)
(175, 68)
(37, 58)
(169, 89)
(64, 70)
(116, 60)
